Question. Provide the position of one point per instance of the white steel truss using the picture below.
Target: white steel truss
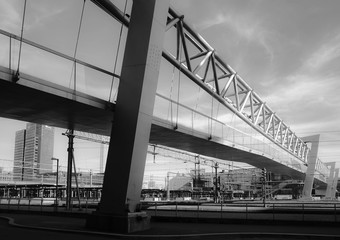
(203, 65)
(227, 86)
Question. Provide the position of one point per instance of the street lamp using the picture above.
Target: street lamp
(57, 179)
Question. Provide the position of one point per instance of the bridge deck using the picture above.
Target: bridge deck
(44, 103)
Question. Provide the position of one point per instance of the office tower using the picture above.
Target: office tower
(33, 152)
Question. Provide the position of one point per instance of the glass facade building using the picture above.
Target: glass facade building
(33, 152)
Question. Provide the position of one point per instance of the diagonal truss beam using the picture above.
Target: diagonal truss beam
(235, 93)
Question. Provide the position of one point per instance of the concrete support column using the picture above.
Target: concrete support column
(118, 210)
(311, 160)
(330, 180)
(335, 183)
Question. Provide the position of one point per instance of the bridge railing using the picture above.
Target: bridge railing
(57, 68)
(176, 115)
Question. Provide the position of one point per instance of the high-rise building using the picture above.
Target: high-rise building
(33, 152)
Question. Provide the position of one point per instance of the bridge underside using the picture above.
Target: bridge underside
(55, 107)
(24, 103)
(175, 139)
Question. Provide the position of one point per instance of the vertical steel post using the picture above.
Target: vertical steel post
(334, 212)
(216, 182)
(57, 183)
(176, 208)
(221, 209)
(168, 187)
(303, 212)
(155, 209)
(10, 53)
(56, 187)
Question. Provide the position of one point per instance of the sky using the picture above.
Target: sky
(287, 51)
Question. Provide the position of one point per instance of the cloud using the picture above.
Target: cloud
(325, 54)
(247, 27)
(10, 17)
(11, 14)
(310, 93)
(302, 90)
(40, 14)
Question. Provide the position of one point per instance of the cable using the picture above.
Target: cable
(211, 117)
(170, 102)
(75, 50)
(16, 77)
(117, 53)
(179, 84)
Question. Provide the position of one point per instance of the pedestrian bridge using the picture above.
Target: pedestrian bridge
(202, 104)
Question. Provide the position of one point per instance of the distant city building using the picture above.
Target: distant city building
(33, 152)
(181, 182)
(151, 184)
(5, 176)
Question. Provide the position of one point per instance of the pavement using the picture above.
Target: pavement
(38, 226)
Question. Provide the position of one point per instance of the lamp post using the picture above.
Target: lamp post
(168, 186)
(57, 179)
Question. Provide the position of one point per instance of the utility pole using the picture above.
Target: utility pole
(216, 181)
(69, 169)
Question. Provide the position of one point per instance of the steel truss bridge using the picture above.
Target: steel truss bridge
(228, 120)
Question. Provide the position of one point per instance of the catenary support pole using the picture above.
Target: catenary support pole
(69, 169)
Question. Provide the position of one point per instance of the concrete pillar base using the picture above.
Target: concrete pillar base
(132, 222)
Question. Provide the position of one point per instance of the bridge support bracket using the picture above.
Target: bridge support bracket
(132, 222)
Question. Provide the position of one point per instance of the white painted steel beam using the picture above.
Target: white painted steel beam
(330, 179)
(220, 93)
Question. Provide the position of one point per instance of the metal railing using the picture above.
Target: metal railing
(327, 212)
(293, 212)
(86, 205)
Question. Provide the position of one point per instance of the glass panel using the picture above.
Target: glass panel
(4, 51)
(44, 65)
(93, 83)
(99, 38)
(53, 24)
(11, 13)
